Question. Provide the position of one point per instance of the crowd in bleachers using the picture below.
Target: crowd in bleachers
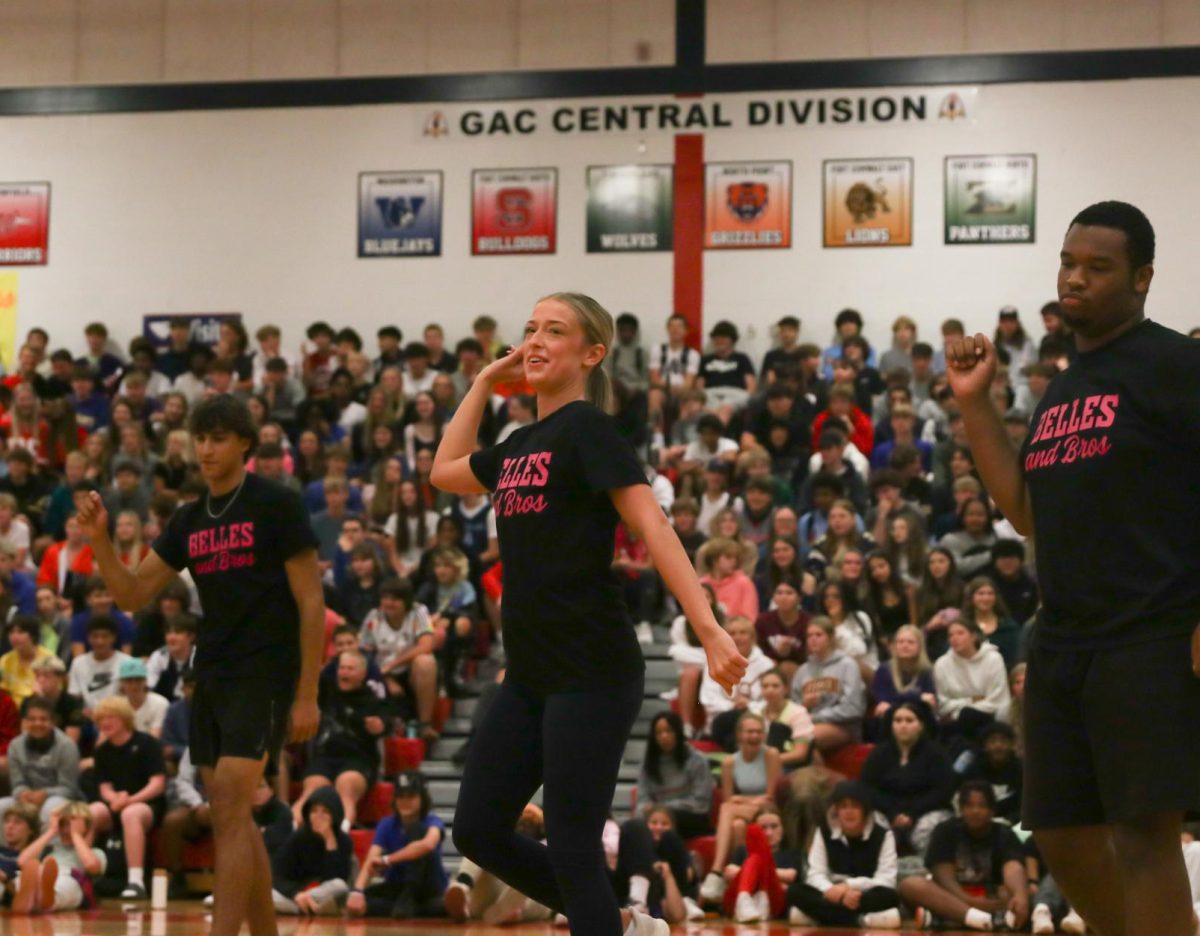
(826, 494)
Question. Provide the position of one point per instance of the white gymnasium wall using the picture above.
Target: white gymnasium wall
(254, 211)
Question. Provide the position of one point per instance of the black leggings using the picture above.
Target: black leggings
(813, 903)
(570, 743)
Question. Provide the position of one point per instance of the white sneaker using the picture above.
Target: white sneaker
(1040, 920)
(882, 919)
(746, 910)
(1072, 923)
(713, 888)
(798, 917)
(646, 925)
(764, 905)
(669, 695)
(694, 910)
(644, 634)
(208, 901)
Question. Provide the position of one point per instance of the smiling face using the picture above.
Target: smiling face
(984, 599)
(750, 735)
(557, 353)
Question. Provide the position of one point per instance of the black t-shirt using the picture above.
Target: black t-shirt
(251, 625)
(566, 626)
(130, 766)
(977, 861)
(1112, 461)
(729, 371)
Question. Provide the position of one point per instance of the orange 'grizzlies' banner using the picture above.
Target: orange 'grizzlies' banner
(748, 204)
(514, 211)
(868, 202)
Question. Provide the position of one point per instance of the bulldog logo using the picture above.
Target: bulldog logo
(513, 208)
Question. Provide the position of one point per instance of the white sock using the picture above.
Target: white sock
(639, 889)
(346, 826)
(977, 919)
(136, 876)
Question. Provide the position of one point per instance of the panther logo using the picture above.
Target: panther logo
(747, 200)
(862, 201)
(513, 206)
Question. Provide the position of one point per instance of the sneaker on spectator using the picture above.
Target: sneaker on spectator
(669, 695)
(798, 917)
(746, 910)
(457, 898)
(764, 905)
(208, 901)
(133, 891)
(1040, 920)
(644, 634)
(694, 910)
(646, 925)
(1072, 923)
(713, 888)
(882, 919)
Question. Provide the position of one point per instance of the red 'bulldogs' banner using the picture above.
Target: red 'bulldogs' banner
(514, 211)
(24, 223)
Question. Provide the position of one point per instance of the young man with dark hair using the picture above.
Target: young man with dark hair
(441, 360)
(174, 360)
(390, 352)
(108, 367)
(977, 867)
(248, 546)
(1111, 457)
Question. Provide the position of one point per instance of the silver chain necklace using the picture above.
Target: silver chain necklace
(225, 509)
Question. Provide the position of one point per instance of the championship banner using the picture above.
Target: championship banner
(399, 214)
(630, 208)
(514, 211)
(24, 223)
(991, 199)
(748, 204)
(868, 202)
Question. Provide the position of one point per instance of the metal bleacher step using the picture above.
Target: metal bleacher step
(464, 708)
(441, 770)
(446, 748)
(457, 726)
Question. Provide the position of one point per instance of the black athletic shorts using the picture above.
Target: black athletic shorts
(239, 718)
(1110, 735)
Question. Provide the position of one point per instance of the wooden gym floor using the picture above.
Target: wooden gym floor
(189, 920)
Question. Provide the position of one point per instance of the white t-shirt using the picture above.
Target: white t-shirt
(92, 680)
(674, 366)
(151, 715)
(386, 642)
(413, 386)
(697, 452)
(413, 556)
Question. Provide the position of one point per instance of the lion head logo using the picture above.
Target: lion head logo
(747, 200)
(863, 202)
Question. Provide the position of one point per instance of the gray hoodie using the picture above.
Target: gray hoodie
(55, 770)
(843, 695)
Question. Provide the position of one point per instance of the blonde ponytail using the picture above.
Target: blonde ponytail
(598, 328)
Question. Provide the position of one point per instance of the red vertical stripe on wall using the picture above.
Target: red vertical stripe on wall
(689, 231)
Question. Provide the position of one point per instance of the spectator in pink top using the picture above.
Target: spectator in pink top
(734, 589)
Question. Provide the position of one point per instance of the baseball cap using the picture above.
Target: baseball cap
(132, 669)
(1008, 312)
(409, 781)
